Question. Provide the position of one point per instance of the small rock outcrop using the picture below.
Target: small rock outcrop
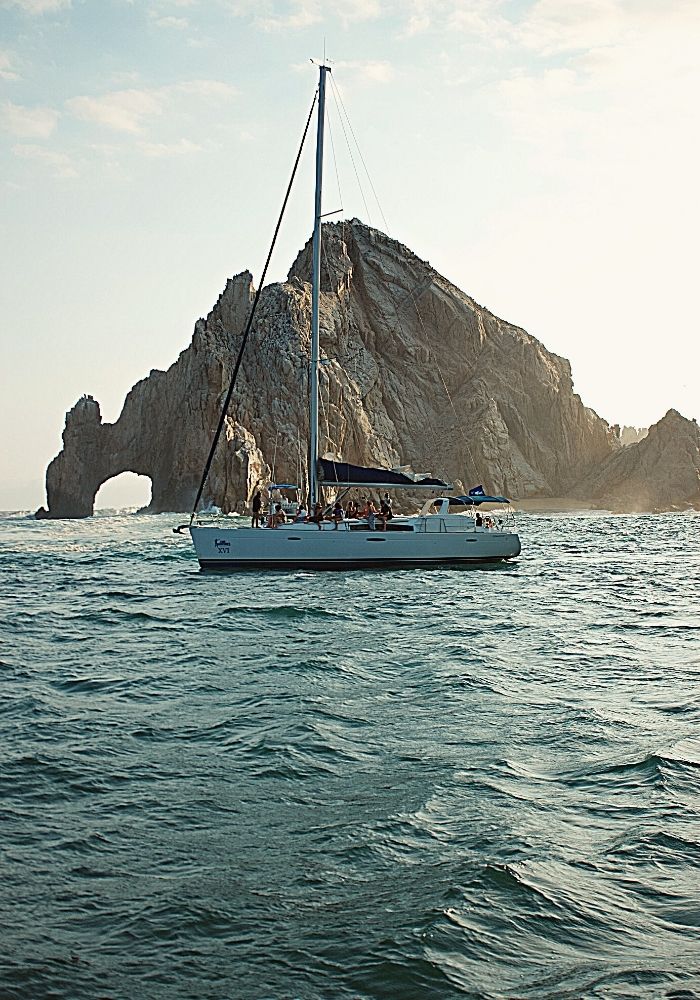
(631, 435)
(414, 371)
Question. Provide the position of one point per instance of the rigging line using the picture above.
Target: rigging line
(352, 160)
(239, 359)
(359, 150)
(339, 101)
(431, 354)
(340, 104)
(335, 162)
(323, 412)
(462, 432)
(300, 466)
(274, 458)
(324, 255)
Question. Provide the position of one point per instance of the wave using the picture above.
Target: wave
(281, 611)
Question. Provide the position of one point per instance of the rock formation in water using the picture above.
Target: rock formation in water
(660, 472)
(413, 372)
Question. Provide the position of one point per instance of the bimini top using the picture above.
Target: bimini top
(474, 501)
(283, 486)
(344, 474)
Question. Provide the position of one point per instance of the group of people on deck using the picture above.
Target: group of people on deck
(376, 515)
(485, 522)
(367, 511)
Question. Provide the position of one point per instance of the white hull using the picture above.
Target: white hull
(409, 542)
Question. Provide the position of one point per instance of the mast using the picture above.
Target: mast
(315, 286)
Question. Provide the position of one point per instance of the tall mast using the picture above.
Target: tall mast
(315, 285)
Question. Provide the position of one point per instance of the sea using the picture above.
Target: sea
(404, 784)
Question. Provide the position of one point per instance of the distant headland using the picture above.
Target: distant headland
(411, 366)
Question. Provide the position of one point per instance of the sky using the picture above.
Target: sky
(543, 155)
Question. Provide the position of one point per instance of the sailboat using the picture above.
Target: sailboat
(446, 531)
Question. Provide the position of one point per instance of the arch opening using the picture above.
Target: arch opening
(128, 489)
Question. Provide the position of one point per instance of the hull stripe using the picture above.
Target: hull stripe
(297, 564)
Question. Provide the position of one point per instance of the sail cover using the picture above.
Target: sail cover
(343, 474)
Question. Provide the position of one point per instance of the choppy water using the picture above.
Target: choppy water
(395, 784)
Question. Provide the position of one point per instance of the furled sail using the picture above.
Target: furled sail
(343, 474)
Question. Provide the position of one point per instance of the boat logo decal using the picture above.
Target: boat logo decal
(222, 545)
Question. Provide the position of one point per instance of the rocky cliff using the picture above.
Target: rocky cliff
(413, 372)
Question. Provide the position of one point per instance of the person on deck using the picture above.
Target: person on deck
(257, 508)
(338, 514)
(317, 516)
(385, 511)
(279, 516)
(371, 515)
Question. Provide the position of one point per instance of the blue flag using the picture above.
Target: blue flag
(477, 491)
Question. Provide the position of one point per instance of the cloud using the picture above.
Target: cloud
(27, 123)
(245, 8)
(299, 14)
(558, 26)
(480, 22)
(7, 71)
(417, 25)
(61, 164)
(208, 89)
(125, 79)
(358, 10)
(131, 110)
(633, 81)
(178, 23)
(37, 7)
(166, 150)
(302, 14)
(545, 27)
(372, 71)
(123, 110)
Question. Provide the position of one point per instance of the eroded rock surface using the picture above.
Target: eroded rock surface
(414, 372)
